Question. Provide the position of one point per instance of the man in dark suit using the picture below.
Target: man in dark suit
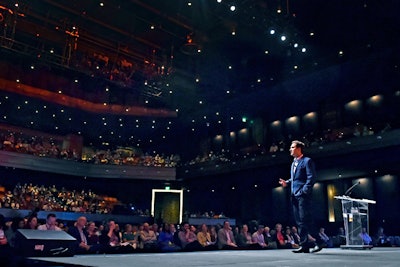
(302, 179)
(79, 232)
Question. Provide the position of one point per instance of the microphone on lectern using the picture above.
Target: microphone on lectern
(350, 190)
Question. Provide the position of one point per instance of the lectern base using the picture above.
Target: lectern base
(356, 246)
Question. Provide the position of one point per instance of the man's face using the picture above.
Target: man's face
(294, 150)
(52, 221)
(82, 221)
(227, 225)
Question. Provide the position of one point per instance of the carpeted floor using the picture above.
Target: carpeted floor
(325, 258)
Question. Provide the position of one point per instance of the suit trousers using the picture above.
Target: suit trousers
(302, 211)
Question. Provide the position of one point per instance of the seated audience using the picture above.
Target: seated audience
(279, 237)
(166, 239)
(258, 238)
(129, 237)
(289, 238)
(295, 235)
(93, 236)
(204, 238)
(326, 241)
(82, 238)
(269, 238)
(110, 241)
(50, 224)
(367, 240)
(148, 239)
(381, 239)
(188, 239)
(226, 240)
(32, 222)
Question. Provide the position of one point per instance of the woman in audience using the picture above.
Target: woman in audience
(204, 238)
(129, 237)
(32, 222)
(93, 237)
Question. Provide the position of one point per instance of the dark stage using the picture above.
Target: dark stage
(327, 257)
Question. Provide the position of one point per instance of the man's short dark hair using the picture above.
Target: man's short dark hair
(299, 144)
(51, 215)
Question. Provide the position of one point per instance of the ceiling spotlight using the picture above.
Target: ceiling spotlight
(272, 31)
(303, 50)
(295, 45)
(283, 38)
(219, 1)
(233, 8)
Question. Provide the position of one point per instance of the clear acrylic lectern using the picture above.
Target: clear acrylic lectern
(355, 217)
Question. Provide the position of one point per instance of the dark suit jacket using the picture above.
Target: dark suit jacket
(73, 231)
(302, 180)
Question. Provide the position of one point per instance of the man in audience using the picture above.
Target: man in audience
(269, 239)
(82, 239)
(226, 240)
(258, 237)
(188, 239)
(51, 223)
(367, 240)
(148, 238)
(295, 234)
(325, 238)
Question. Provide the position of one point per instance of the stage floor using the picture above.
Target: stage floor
(325, 258)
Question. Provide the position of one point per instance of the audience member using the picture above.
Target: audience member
(289, 238)
(129, 236)
(327, 242)
(366, 239)
(93, 236)
(51, 223)
(148, 238)
(381, 239)
(269, 238)
(226, 240)
(188, 238)
(82, 238)
(280, 237)
(258, 238)
(166, 239)
(32, 222)
(204, 238)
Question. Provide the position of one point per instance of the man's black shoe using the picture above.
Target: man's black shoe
(316, 249)
(301, 250)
